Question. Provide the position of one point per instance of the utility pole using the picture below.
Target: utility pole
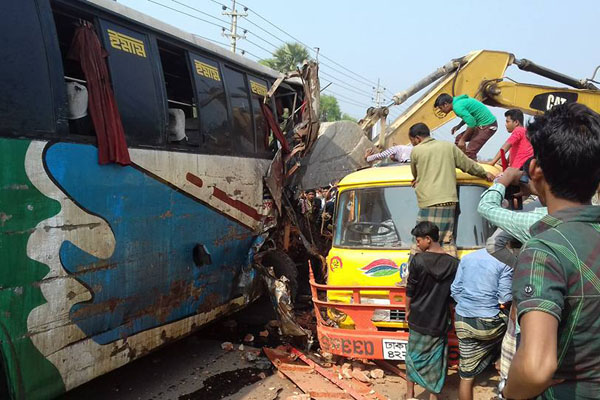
(234, 19)
(379, 129)
(378, 99)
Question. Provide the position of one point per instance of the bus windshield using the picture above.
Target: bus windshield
(382, 217)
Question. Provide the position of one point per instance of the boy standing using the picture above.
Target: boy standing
(517, 143)
(427, 310)
(557, 277)
(481, 123)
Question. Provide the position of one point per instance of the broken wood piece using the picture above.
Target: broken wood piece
(319, 382)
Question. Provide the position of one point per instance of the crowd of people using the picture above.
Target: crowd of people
(317, 206)
(529, 301)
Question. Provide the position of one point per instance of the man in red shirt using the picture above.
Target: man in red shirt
(517, 143)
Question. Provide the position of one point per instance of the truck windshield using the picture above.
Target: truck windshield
(382, 217)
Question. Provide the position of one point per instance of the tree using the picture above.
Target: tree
(330, 109)
(287, 58)
(347, 117)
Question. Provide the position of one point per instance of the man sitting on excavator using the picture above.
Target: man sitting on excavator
(481, 123)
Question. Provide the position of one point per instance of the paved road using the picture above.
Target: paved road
(197, 368)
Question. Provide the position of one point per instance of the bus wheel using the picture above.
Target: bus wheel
(283, 266)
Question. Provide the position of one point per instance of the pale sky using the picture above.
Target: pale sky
(400, 42)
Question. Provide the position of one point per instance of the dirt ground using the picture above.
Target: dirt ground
(197, 368)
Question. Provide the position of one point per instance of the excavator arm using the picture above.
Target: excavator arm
(480, 75)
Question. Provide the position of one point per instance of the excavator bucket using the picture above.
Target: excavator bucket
(339, 150)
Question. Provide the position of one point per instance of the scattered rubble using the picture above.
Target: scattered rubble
(360, 375)
(249, 338)
(377, 373)
(346, 370)
(227, 346)
(303, 396)
(251, 356)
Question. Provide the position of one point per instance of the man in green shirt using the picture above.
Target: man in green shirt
(481, 123)
(556, 283)
(433, 165)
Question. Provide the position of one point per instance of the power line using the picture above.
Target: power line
(349, 86)
(344, 87)
(340, 82)
(221, 4)
(259, 46)
(234, 14)
(184, 13)
(347, 99)
(307, 46)
(264, 40)
(211, 40)
(200, 11)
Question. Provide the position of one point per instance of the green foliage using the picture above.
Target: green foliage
(330, 109)
(287, 58)
(347, 117)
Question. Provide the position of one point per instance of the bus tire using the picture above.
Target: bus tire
(283, 266)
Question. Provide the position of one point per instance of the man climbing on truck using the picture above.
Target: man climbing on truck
(481, 123)
(433, 166)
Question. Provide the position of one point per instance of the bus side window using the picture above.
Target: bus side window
(183, 130)
(80, 122)
(134, 69)
(211, 104)
(243, 126)
(32, 98)
(265, 138)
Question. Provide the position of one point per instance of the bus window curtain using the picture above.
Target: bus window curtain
(275, 127)
(87, 50)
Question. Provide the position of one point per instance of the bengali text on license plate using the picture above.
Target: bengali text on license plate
(394, 349)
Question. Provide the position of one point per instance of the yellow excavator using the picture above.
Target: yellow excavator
(481, 75)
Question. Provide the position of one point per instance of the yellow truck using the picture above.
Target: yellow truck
(360, 311)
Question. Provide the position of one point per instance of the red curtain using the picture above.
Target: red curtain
(86, 49)
(275, 127)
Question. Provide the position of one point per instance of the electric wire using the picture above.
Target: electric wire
(343, 84)
(200, 11)
(347, 99)
(307, 46)
(189, 15)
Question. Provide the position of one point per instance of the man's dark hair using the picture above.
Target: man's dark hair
(313, 191)
(566, 145)
(426, 228)
(443, 99)
(418, 129)
(515, 115)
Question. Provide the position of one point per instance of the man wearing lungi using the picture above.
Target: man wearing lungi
(481, 285)
(433, 165)
(428, 312)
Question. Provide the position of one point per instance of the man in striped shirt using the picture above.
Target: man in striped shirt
(556, 283)
(399, 153)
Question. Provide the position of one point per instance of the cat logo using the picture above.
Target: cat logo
(545, 101)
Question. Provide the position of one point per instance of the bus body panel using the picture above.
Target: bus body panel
(112, 248)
